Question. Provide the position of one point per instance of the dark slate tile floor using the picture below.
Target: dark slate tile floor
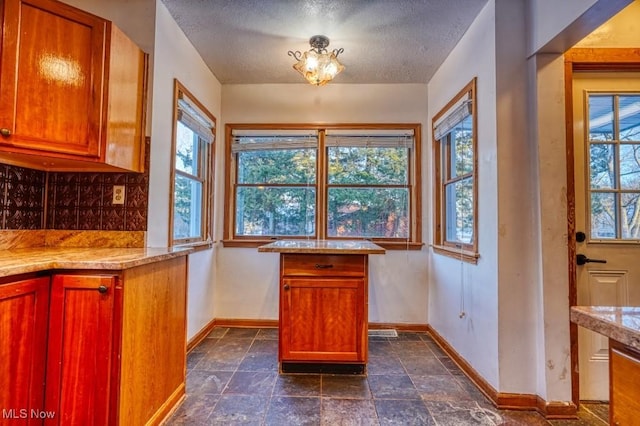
(232, 379)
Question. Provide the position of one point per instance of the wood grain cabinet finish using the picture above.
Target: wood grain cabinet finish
(624, 365)
(323, 308)
(72, 90)
(81, 349)
(24, 306)
(117, 345)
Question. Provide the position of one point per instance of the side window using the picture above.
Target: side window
(455, 168)
(192, 170)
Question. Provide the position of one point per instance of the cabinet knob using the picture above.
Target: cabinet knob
(5, 132)
(103, 289)
(286, 287)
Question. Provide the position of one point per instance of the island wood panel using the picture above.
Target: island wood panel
(323, 310)
(317, 265)
(80, 352)
(24, 310)
(152, 377)
(624, 370)
(323, 319)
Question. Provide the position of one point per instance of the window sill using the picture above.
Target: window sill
(389, 245)
(464, 256)
(197, 246)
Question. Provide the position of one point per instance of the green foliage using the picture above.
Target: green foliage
(276, 192)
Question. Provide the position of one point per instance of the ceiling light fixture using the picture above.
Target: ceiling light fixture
(317, 65)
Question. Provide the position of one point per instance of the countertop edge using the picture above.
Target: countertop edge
(51, 260)
(320, 251)
(613, 330)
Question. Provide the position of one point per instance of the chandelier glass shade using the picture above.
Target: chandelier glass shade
(317, 65)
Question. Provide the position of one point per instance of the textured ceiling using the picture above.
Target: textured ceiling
(384, 41)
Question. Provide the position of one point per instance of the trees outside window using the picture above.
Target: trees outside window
(326, 183)
(191, 170)
(455, 175)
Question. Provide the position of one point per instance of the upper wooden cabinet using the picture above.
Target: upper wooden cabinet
(72, 90)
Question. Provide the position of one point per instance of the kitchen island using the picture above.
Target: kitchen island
(622, 326)
(323, 312)
(93, 335)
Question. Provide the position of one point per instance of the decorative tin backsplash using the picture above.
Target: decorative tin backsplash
(21, 198)
(74, 200)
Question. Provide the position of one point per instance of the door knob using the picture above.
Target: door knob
(103, 289)
(5, 132)
(581, 259)
(286, 287)
(580, 236)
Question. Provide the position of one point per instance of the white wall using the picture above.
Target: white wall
(247, 280)
(452, 282)
(623, 30)
(555, 26)
(175, 57)
(517, 251)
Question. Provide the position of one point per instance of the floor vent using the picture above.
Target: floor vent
(383, 333)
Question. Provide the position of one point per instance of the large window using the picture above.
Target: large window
(614, 166)
(455, 207)
(332, 182)
(193, 137)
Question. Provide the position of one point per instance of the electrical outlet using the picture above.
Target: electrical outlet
(118, 194)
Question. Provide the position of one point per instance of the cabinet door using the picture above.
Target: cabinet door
(24, 308)
(51, 78)
(80, 349)
(322, 319)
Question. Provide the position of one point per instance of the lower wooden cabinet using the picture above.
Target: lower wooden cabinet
(116, 347)
(624, 398)
(24, 306)
(323, 308)
(82, 349)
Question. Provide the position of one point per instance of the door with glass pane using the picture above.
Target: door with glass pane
(606, 113)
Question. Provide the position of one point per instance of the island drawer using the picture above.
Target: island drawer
(323, 265)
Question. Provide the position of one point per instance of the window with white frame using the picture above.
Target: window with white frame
(613, 192)
(455, 175)
(332, 182)
(192, 170)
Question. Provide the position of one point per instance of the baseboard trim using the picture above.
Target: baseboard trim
(169, 407)
(398, 326)
(503, 400)
(247, 323)
(557, 409)
(264, 323)
(200, 335)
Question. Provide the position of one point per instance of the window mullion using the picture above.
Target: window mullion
(322, 180)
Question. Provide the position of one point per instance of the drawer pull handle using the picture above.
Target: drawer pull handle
(323, 266)
(103, 289)
(5, 132)
(286, 287)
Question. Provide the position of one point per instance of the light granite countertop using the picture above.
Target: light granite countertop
(618, 323)
(21, 261)
(323, 247)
